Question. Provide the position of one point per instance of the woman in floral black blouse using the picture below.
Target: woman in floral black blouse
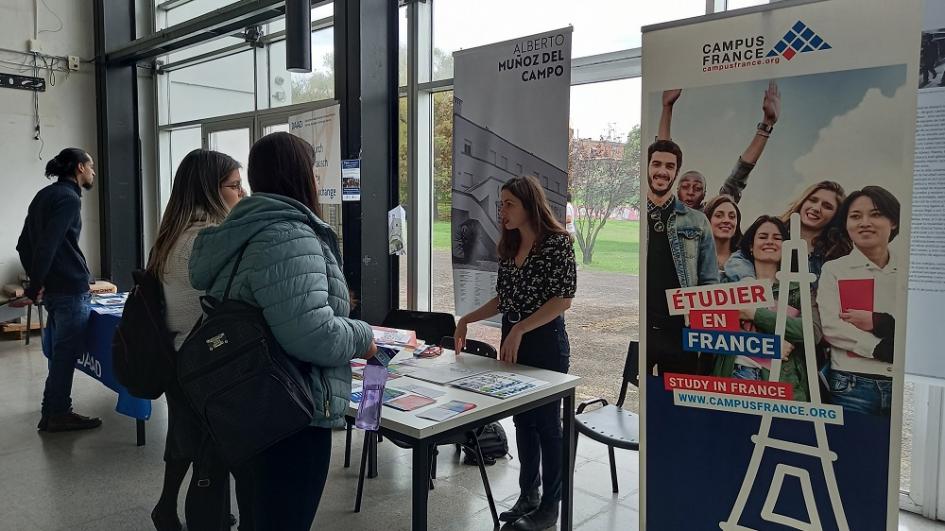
(537, 280)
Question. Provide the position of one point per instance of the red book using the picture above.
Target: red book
(856, 294)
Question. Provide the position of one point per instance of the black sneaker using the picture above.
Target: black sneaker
(70, 421)
(526, 503)
(544, 517)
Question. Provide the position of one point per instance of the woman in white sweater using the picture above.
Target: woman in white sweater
(206, 186)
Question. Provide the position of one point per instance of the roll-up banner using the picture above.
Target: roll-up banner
(927, 266)
(322, 129)
(776, 240)
(510, 118)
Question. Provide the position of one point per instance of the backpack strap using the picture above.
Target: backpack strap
(236, 265)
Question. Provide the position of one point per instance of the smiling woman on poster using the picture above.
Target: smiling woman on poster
(857, 299)
(817, 206)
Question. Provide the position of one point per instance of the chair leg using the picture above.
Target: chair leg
(368, 436)
(613, 468)
(575, 449)
(347, 444)
(485, 482)
(433, 453)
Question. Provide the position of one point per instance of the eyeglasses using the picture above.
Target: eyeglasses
(236, 187)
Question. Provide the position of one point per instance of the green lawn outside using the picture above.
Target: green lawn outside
(617, 249)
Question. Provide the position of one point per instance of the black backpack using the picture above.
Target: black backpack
(493, 443)
(246, 390)
(142, 349)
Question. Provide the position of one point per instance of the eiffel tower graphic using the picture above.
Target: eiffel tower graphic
(795, 247)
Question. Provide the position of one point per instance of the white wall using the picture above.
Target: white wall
(67, 112)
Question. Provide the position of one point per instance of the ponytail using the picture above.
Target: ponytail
(66, 163)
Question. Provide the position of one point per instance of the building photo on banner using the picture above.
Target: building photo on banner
(779, 187)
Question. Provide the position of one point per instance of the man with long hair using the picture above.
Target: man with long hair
(59, 280)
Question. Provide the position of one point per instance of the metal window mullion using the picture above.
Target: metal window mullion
(715, 6)
(420, 146)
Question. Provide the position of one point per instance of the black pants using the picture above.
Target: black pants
(538, 432)
(280, 488)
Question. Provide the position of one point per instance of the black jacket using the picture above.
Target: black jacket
(49, 244)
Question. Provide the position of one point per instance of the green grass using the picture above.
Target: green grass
(617, 248)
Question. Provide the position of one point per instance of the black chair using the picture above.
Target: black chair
(430, 326)
(479, 348)
(611, 424)
(468, 440)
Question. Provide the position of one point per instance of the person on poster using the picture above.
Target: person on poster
(692, 185)
(725, 218)
(857, 299)
(762, 243)
(680, 254)
(927, 58)
(817, 206)
(536, 283)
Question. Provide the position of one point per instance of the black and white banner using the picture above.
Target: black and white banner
(510, 118)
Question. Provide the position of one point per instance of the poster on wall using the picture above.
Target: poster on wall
(322, 129)
(776, 258)
(927, 267)
(510, 118)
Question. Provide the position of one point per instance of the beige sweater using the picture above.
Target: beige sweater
(183, 301)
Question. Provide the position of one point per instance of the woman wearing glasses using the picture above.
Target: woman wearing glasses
(206, 186)
(536, 282)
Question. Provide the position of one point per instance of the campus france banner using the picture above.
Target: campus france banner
(322, 129)
(927, 267)
(776, 258)
(510, 118)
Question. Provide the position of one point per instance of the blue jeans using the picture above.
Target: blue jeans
(67, 323)
(746, 373)
(860, 394)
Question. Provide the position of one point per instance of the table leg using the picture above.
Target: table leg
(421, 485)
(29, 321)
(567, 479)
(372, 455)
(140, 425)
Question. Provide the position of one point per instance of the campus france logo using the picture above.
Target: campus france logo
(799, 39)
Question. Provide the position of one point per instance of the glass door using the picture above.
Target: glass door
(233, 137)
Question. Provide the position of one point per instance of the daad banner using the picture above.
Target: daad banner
(776, 234)
(322, 129)
(510, 119)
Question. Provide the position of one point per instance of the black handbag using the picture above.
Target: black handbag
(247, 391)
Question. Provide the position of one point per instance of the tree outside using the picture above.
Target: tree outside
(604, 176)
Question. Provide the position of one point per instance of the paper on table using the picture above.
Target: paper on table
(409, 402)
(446, 411)
(436, 370)
(499, 384)
(422, 391)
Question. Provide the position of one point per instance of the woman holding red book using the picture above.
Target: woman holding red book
(857, 301)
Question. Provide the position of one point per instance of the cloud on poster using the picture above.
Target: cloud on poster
(838, 153)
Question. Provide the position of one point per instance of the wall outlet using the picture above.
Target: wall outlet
(34, 45)
(73, 63)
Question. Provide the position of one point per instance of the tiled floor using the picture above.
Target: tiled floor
(100, 480)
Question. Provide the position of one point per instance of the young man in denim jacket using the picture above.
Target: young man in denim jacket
(680, 254)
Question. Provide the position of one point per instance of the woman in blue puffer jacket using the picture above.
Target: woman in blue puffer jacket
(291, 270)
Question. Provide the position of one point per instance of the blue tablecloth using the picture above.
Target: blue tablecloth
(97, 361)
